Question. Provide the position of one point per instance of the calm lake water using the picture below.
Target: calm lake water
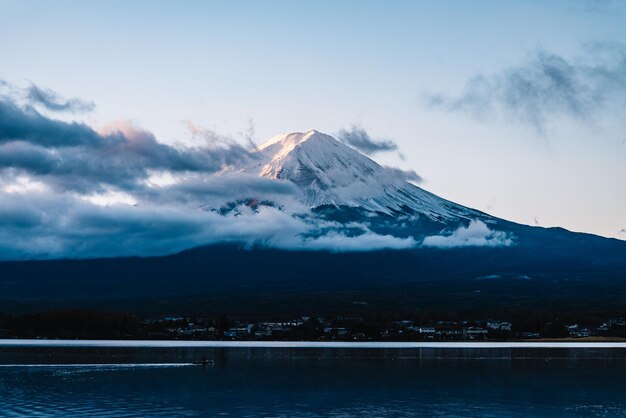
(311, 382)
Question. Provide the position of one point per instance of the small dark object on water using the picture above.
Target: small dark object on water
(204, 362)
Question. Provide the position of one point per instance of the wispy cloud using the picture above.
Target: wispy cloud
(599, 6)
(55, 102)
(544, 86)
(358, 138)
(476, 234)
(406, 175)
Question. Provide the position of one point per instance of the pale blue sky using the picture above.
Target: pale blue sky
(295, 66)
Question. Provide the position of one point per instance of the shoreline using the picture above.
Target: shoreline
(302, 344)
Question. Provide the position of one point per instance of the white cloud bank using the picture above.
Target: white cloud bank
(476, 234)
(42, 225)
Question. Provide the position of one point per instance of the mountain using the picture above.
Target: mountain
(341, 185)
(330, 173)
(462, 259)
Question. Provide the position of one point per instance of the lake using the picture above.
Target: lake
(92, 380)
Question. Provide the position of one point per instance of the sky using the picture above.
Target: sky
(512, 108)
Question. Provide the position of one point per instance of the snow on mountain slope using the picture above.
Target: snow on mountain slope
(331, 173)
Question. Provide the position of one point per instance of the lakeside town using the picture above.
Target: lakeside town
(377, 327)
(357, 329)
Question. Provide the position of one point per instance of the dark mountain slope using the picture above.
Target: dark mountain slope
(550, 267)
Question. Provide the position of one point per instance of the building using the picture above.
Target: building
(578, 332)
(499, 326)
(449, 332)
(238, 332)
(427, 330)
(474, 333)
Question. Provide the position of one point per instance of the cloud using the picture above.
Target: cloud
(72, 155)
(598, 6)
(546, 86)
(214, 192)
(368, 241)
(54, 102)
(476, 234)
(28, 125)
(49, 225)
(406, 175)
(358, 138)
(52, 225)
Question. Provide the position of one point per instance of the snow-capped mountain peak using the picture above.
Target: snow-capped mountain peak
(290, 140)
(313, 159)
(329, 172)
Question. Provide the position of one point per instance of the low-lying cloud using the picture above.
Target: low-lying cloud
(49, 225)
(340, 242)
(475, 234)
(546, 85)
